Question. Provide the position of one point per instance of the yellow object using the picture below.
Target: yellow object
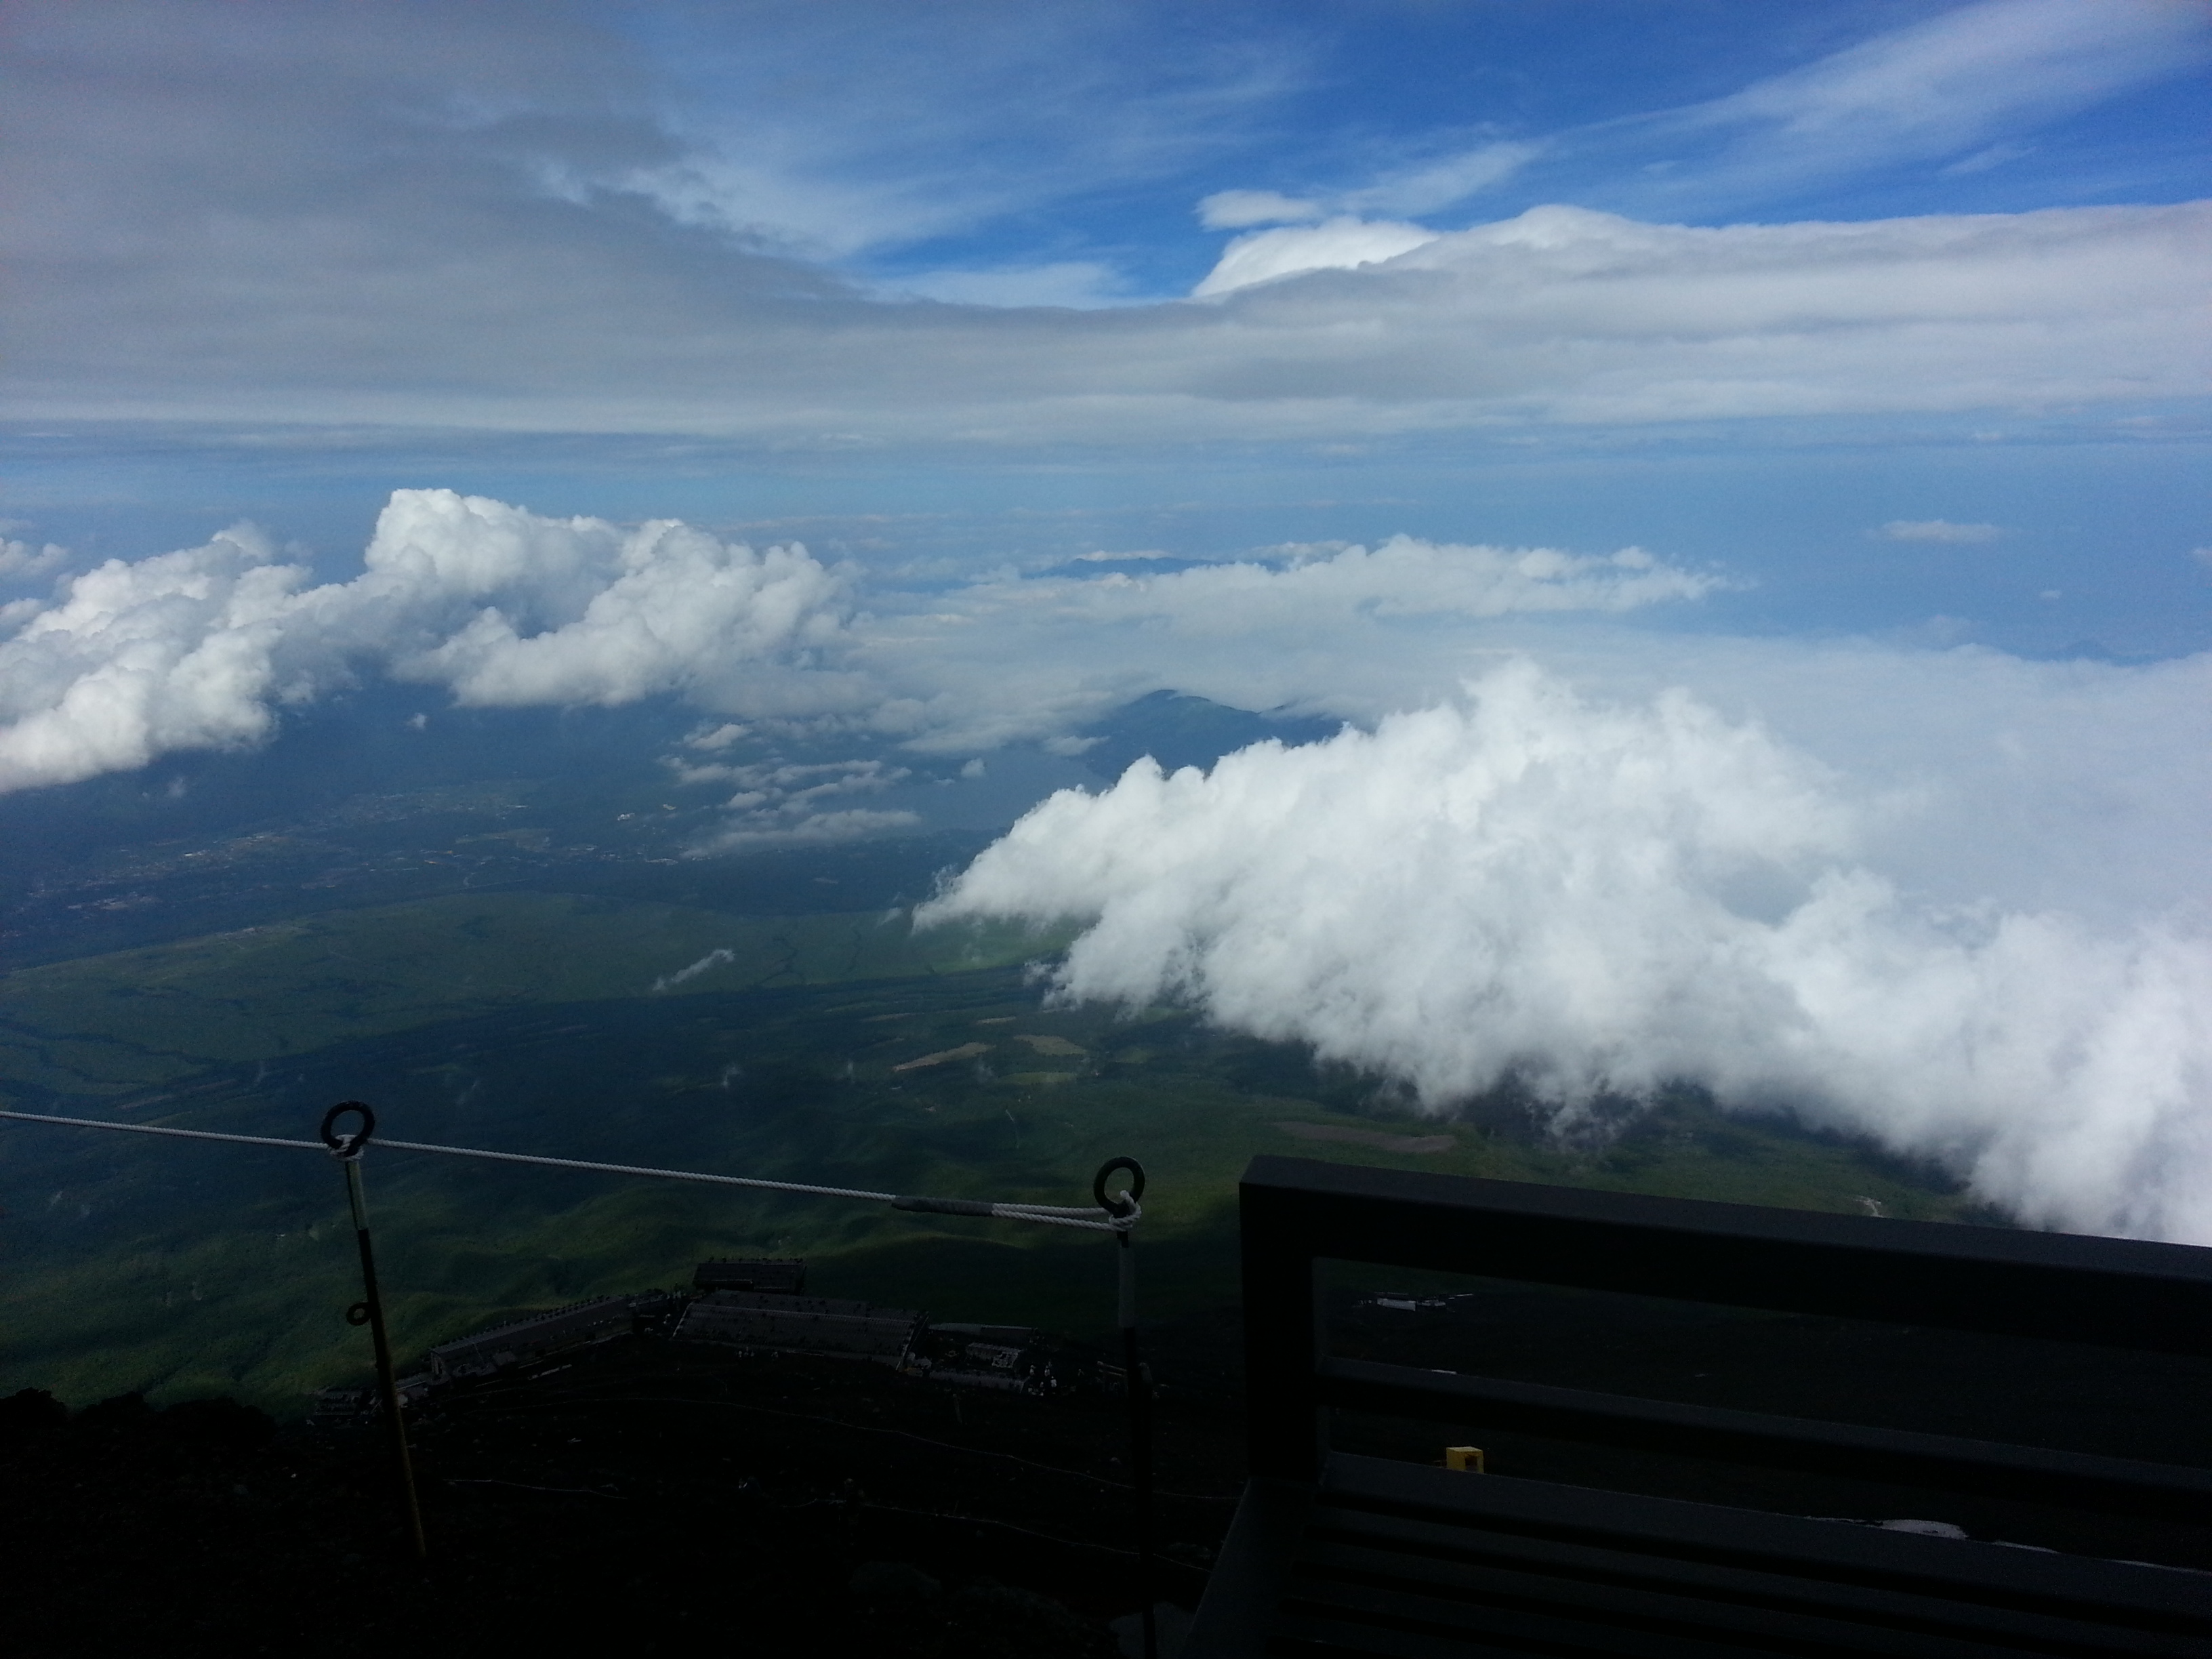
(1464, 1460)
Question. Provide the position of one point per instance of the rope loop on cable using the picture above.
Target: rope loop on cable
(1122, 1208)
(347, 1148)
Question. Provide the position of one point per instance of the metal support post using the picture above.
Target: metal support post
(369, 1311)
(1139, 1382)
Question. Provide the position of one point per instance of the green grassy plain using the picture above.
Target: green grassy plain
(830, 1048)
(113, 1022)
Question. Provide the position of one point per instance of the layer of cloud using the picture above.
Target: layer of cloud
(1017, 657)
(1082, 284)
(331, 218)
(199, 648)
(1602, 897)
(1322, 586)
(1558, 315)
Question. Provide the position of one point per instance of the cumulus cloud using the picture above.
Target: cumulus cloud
(681, 613)
(178, 652)
(196, 649)
(1603, 897)
(1939, 529)
(20, 562)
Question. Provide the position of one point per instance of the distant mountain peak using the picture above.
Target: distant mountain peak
(1179, 729)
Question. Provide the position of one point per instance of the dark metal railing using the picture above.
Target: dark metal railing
(2117, 1294)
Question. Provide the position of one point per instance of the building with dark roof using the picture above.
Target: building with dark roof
(776, 1276)
(524, 1341)
(804, 1324)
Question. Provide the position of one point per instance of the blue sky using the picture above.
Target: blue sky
(643, 260)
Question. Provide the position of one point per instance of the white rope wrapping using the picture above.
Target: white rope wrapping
(1042, 1215)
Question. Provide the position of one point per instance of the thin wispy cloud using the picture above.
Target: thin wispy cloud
(1962, 90)
(1938, 530)
(1941, 89)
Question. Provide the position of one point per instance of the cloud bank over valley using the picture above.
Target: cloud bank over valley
(1599, 898)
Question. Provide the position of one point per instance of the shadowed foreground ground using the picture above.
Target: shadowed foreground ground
(674, 1502)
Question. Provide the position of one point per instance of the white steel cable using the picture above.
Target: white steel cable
(1044, 1215)
(155, 1129)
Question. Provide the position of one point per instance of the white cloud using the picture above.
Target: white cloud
(195, 649)
(1939, 529)
(1326, 587)
(814, 830)
(507, 608)
(683, 613)
(778, 802)
(20, 562)
(1340, 244)
(1947, 86)
(1237, 210)
(1434, 185)
(1961, 88)
(1558, 315)
(939, 120)
(1975, 63)
(178, 652)
(721, 956)
(1609, 897)
(1017, 657)
(411, 214)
